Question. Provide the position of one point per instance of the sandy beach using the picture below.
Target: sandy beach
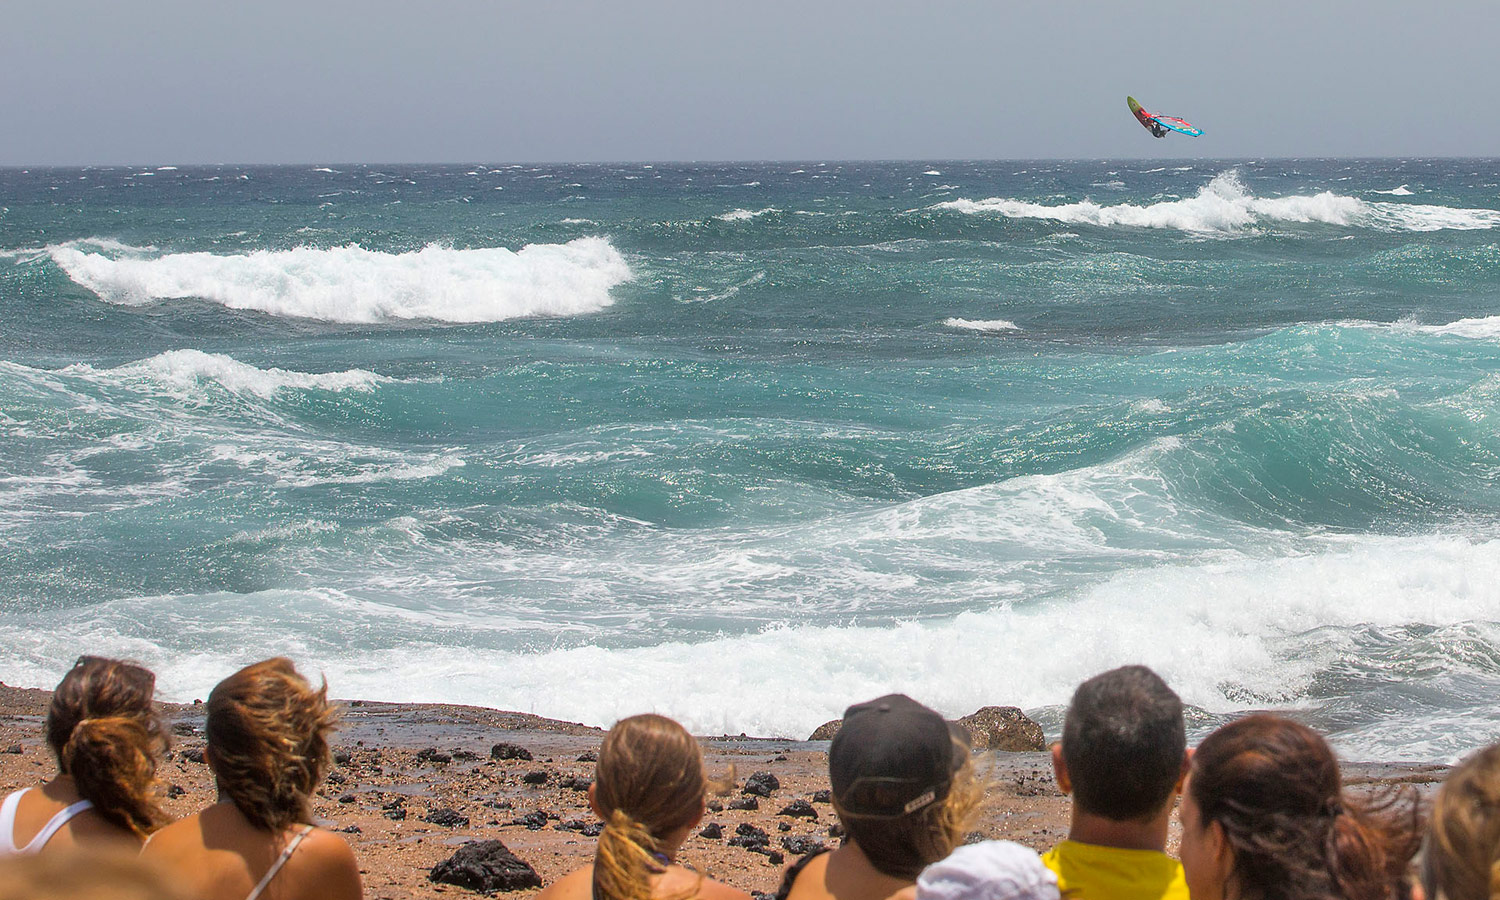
(400, 765)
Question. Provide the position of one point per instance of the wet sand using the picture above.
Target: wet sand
(398, 764)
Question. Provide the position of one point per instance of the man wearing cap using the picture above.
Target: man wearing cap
(904, 791)
(1123, 757)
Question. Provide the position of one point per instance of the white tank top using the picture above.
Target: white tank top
(8, 825)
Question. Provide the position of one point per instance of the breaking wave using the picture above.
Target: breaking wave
(1226, 205)
(354, 285)
(988, 325)
(185, 370)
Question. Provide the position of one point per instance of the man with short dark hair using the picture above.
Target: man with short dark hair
(1123, 757)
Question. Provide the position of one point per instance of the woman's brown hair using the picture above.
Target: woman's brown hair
(648, 783)
(267, 734)
(1461, 857)
(1273, 785)
(903, 846)
(106, 734)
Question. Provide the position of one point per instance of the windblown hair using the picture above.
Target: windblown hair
(1461, 857)
(1274, 787)
(268, 739)
(648, 783)
(1123, 742)
(107, 735)
(903, 846)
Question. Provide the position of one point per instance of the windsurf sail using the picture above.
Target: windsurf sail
(1159, 125)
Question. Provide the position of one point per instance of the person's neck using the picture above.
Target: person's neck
(1130, 834)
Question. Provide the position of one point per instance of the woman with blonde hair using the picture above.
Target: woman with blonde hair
(107, 737)
(267, 731)
(905, 792)
(1461, 853)
(650, 790)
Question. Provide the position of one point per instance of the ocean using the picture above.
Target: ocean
(744, 444)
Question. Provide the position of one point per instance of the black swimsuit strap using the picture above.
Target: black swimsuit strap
(794, 870)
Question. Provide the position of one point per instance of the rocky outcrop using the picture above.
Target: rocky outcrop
(485, 866)
(990, 728)
(1003, 728)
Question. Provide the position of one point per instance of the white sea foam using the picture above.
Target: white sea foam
(982, 324)
(740, 215)
(1224, 205)
(1481, 328)
(186, 370)
(352, 284)
(1402, 191)
(1240, 632)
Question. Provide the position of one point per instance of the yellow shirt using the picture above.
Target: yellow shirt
(1092, 872)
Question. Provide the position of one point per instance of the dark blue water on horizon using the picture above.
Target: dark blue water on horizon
(746, 443)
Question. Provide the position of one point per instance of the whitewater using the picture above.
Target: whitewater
(746, 443)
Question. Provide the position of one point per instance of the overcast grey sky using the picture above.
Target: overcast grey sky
(197, 81)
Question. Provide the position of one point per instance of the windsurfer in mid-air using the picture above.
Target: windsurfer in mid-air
(1159, 125)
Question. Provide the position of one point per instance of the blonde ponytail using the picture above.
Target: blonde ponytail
(626, 860)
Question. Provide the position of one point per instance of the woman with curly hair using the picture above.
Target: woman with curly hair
(106, 737)
(1265, 817)
(267, 731)
(650, 790)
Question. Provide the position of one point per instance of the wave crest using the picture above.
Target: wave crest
(1226, 205)
(986, 325)
(354, 285)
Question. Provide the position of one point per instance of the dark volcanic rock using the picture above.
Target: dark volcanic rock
(826, 731)
(193, 754)
(342, 757)
(448, 818)
(761, 784)
(538, 776)
(465, 755)
(823, 796)
(397, 814)
(588, 756)
(713, 831)
(783, 826)
(503, 750)
(534, 821)
(351, 829)
(715, 806)
(801, 846)
(744, 803)
(751, 838)
(485, 866)
(990, 728)
(574, 783)
(431, 754)
(799, 809)
(348, 798)
(1003, 728)
(174, 791)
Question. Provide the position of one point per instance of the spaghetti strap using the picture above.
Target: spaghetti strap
(280, 861)
(8, 823)
(53, 826)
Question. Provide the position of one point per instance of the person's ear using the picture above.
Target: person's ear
(1223, 855)
(1060, 769)
(1187, 766)
(594, 802)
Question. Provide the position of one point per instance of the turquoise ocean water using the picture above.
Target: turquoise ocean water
(746, 443)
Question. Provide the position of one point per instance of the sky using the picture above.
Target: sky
(273, 81)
